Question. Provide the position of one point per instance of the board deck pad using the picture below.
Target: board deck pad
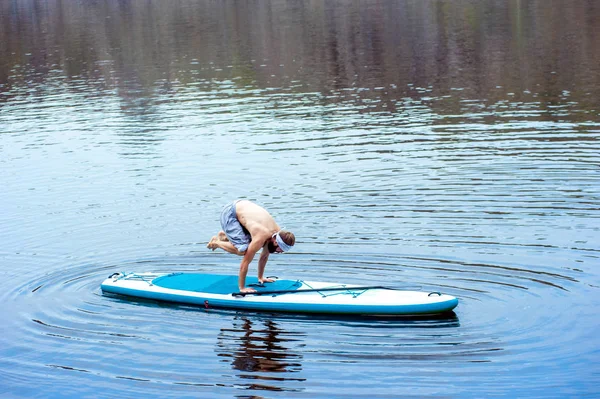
(219, 284)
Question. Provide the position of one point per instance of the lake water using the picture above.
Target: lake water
(434, 145)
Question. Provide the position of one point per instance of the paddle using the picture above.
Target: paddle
(277, 292)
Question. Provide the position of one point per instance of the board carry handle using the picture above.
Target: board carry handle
(277, 292)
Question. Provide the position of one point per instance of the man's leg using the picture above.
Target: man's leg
(222, 236)
(224, 245)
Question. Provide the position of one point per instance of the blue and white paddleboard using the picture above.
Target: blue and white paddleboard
(221, 291)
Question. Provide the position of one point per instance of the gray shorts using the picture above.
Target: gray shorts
(236, 233)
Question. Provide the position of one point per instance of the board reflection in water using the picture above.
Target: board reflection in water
(268, 351)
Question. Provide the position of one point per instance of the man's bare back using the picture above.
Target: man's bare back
(256, 220)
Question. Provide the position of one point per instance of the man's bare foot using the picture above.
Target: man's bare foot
(212, 244)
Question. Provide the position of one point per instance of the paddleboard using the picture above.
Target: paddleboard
(297, 296)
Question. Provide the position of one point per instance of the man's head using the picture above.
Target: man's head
(282, 241)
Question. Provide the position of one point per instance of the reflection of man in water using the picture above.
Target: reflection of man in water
(258, 348)
(260, 354)
(247, 228)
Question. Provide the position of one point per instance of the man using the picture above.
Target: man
(247, 228)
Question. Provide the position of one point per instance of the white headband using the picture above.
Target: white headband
(284, 247)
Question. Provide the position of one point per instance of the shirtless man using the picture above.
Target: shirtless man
(247, 228)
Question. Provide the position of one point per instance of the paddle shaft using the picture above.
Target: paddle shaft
(276, 292)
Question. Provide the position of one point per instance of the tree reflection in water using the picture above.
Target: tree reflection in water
(259, 348)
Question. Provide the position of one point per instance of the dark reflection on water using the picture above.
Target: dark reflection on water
(391, 49)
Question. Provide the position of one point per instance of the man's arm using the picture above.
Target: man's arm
(262, 262)
(253, 248)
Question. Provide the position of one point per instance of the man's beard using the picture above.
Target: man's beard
(272, 248)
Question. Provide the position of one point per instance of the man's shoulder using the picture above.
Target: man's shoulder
(259, 231)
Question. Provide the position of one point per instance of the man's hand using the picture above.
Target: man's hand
(247, 289)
